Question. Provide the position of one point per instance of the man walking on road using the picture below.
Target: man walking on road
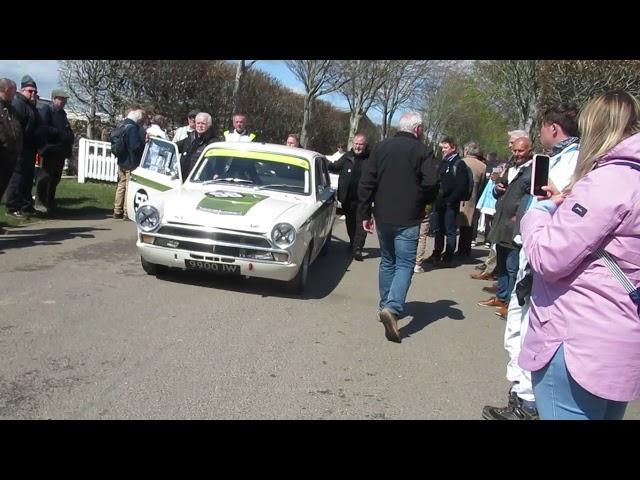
(400, 178)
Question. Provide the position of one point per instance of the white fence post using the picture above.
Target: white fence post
(96, 161)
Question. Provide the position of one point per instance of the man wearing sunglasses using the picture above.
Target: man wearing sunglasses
(19, 200)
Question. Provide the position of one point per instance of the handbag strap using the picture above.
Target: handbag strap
(617, 272)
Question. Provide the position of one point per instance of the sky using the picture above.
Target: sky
(45, 74)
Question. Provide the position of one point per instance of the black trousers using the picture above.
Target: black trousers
(464, 242)
(7, 166)
(49, 178)
(353, 220)
(21, 183)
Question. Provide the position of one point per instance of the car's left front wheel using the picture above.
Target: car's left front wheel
(152, 268)
(298, 283)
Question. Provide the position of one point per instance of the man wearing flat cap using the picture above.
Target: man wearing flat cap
(19, 200)
(58, 147)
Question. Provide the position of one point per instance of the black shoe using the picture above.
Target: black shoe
(509, 413)
(29, 210)
(17, 214)
(118, 215)
(357, 255)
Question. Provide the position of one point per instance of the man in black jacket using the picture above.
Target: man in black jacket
(54, 152)
(453, 184)
(350, 169)
(399, 178)
(192, 147)
(19, 199)
(10, 134)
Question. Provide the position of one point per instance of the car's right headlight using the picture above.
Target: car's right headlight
(283, 235)
(148, 218)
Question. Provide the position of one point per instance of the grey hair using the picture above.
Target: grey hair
(472, 148)
(515, 134)
(136, 115)
(206, 116)
(409, 121)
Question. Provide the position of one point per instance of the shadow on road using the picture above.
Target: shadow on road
(18, 238)
(325, 274)
(424, 314)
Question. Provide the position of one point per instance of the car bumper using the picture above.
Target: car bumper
(175, 258)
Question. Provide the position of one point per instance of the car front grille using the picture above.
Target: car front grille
(237, 238)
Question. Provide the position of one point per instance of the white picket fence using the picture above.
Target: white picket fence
(95, 161)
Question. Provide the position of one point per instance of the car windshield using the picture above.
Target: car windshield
(288, 174)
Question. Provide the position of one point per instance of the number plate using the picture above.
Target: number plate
(212, 267)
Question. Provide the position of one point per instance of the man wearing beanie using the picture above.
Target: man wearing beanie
(19, 199)
(58, 147)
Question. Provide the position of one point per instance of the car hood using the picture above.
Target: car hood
(235, 210)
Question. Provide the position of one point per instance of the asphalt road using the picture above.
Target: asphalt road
(86, 334)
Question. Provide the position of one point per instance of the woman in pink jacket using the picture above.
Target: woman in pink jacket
(583, 344)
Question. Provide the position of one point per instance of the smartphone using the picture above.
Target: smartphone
(539, 175)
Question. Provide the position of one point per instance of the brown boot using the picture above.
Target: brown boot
(390, 322)
(492, 302)
(481, 276)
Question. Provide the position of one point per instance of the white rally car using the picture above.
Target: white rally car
(252, 209)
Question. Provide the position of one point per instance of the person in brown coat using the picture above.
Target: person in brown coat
(468, 208)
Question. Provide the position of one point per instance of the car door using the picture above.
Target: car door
(325, 202)
(158, 172)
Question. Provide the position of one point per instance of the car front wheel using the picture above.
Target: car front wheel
(152, 268)
(298, 283)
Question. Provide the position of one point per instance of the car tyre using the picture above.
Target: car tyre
(298, 283)
(152, 268)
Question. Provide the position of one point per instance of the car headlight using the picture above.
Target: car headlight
(148, 218)
(283, 235)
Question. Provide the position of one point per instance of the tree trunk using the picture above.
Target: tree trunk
(91, 121)
(236, 86)
(354, 122)
(385, 125)
(306, 119)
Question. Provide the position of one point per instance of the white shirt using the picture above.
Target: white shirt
(155, 131)
(237, 137)
(182, 133)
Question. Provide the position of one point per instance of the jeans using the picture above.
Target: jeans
(445, 222)
(398, 246)
(559, 397)
(507, 260)
(21, 183)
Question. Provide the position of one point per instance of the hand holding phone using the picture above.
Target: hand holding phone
(539, 175)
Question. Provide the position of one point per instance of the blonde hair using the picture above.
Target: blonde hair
(606, 121)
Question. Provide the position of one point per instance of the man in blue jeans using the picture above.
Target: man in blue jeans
(399, 179)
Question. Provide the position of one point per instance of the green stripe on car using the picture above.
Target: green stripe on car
(230, 205)
(149, 183)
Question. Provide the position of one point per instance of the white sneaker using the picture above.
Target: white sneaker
(418, 269)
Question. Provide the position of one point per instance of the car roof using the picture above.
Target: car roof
(265, 148)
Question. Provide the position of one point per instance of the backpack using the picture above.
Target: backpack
(466, 196)
(118, 142)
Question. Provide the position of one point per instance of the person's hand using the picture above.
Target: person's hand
(369, 225)
(494, 176)
(553, 194)
(500, 187)
(147, 138)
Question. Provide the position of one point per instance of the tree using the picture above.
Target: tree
(360, 80)
(95, 86)
(319, 78)
(513, 88)
(403, 78)
(241, 70)
(580, 80)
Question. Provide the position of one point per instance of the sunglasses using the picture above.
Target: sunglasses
(31, 90)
